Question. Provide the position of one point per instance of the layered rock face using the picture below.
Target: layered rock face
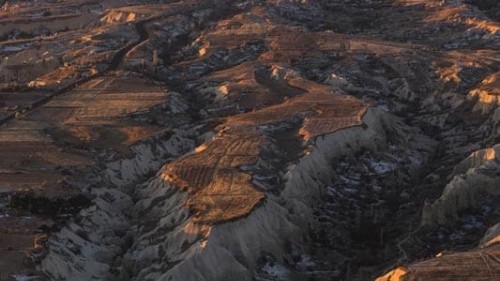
(474, 181)
(249, 140)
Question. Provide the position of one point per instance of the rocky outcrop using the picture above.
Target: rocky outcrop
(86, 248)
(250, 140)
(491, 237)
(173, 246)
(475, 181)
(477, 264)
(169, 243)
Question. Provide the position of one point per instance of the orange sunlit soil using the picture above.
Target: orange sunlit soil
(476, 265)
(219, 189)
(47, 151)
(249, 140)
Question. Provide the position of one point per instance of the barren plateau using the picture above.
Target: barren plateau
(265, 140)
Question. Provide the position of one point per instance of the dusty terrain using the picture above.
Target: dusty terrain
(250, 140)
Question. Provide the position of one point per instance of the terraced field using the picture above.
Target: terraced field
(249, 140)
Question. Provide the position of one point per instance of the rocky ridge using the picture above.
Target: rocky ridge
(252, 140)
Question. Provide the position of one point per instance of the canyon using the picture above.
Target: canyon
(250, 140)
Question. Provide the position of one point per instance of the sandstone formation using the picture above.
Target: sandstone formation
(249, 140)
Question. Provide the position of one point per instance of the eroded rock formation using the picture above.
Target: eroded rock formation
(249, 140)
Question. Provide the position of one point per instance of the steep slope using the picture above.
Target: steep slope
(249, 140)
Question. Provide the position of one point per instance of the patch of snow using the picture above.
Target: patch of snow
(12, 49)
(23, 277)
(381, 167)
(333, 192)
(350, 180)
(305, 263)
(351, 190)
(275, 270)
(471, 223)
(457, 236)
(384, 107)
(414, 160)
(486, 209)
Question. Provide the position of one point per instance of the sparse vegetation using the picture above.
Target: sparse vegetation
(269, 140)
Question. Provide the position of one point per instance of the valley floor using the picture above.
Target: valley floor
(250, 140)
